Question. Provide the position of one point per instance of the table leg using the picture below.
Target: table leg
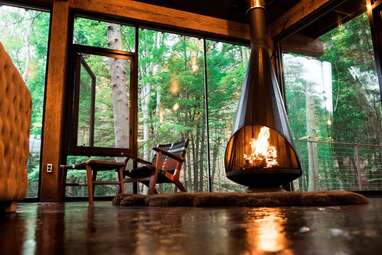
(94, 179)
(89, 176)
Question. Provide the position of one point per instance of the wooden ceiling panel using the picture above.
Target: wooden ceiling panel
(225, 9)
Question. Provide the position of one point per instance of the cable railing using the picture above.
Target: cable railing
(329, 165)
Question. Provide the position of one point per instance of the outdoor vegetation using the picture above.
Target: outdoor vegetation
(24, 35)
(333, 100)
(335, 110)
(171, 98)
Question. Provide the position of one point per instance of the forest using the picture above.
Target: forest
(334, 113)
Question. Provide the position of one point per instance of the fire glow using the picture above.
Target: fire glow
(263, 154)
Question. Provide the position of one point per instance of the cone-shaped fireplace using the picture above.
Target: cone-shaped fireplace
(260, 152)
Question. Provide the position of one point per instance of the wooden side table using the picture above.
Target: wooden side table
(92, 167)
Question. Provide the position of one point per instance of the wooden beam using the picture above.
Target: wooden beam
(164, 17)
(303, 45)
(294, 15)
(54, 100)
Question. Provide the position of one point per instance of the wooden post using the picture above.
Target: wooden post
(50, 188)
(313, 167)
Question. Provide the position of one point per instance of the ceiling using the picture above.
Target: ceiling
(235, 10)
(338, 15)
(225, 9)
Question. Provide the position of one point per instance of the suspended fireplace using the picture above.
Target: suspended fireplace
(260, 153)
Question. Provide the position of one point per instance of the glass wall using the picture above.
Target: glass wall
(24, 34)
(227, 65)
(333, 101)
(171, 100)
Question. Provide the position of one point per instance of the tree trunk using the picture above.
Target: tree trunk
(120, 90)
(215, 152)
(201, 158)
(146, 98)
(194, 164)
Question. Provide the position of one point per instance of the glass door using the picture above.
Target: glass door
(24, 34)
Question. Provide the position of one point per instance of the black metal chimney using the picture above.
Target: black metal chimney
(261, 105)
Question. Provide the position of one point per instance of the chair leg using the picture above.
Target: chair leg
(153, 182)
(135, 187)
(147, 184)
(121, 180)
(8, 207)
(89, 177)
(180, 186)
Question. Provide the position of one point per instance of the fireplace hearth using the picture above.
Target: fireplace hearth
(260, 153)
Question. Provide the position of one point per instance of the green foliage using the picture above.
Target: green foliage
(355, 113)
(24, 34)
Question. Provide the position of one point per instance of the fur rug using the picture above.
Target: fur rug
(266, 199)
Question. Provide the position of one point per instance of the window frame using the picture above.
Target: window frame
(374, 13)
(72, 104)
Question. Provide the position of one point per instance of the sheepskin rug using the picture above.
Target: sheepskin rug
(221, 199)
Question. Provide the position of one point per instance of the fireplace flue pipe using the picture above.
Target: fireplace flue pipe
(256, 18)
(261, 105)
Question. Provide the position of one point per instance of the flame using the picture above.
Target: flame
(263, 154)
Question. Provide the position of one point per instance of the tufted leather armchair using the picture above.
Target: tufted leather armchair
(15, 118)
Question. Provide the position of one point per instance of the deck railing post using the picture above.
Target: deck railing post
(357, 166)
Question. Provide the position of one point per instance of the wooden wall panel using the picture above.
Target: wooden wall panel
(52, 137)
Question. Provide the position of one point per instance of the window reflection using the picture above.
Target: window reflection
(333, 101)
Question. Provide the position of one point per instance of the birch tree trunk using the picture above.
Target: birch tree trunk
(120, 89)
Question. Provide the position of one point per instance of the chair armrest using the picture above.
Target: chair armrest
(169, 154)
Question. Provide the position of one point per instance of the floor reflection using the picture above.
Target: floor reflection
(266, 231)
(75, 228)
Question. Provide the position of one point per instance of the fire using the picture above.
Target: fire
(263, 154)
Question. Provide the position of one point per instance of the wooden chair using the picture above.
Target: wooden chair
(165, 166)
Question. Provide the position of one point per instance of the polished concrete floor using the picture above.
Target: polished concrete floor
(75, 228)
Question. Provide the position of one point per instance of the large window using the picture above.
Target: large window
(171, 100)
(24, 34)
(227, 64)
(333, 101)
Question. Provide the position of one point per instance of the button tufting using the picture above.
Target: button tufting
(15, 114)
